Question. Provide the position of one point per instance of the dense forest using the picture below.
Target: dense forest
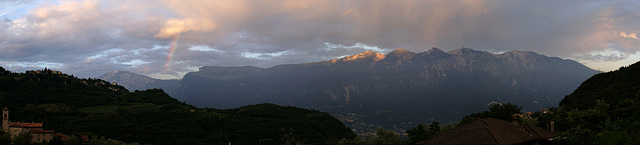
(94, 107)
(605, 109)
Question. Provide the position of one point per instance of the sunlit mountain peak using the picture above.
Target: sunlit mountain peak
(376, 56)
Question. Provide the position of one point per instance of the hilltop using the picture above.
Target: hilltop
(96, 107)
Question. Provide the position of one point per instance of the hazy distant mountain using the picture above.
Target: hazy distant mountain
(133, 81)
(397, 88)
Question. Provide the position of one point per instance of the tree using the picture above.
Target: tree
(381, 137)
(434, 128)
(422, 132)
(73, 140)
(498, 111)
(5, 139)
(56, 141)
(418, 133)
(576, 136)
(504, 111)
(386, 137)
(23, 138)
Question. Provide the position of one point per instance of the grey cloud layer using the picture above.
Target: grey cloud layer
(91, 37)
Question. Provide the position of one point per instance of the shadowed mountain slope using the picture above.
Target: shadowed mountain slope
(399, 87)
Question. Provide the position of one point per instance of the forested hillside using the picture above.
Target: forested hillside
(605, 109)
(614, 86)
(72, 105)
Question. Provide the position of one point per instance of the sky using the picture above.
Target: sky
(165, 39)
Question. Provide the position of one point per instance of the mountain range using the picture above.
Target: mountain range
(392, 90)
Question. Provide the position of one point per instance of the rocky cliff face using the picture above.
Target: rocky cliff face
(407, 86)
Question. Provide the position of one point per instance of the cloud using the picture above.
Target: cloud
(39, 64)
(630, 35)
(90, 37)
(610, 54)
(332, 47)
(264, 56)
(608, 60)
(416, 25)
(174, 27)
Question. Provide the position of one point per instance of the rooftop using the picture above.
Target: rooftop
(490, 131)
(41, 131)
(25, 125)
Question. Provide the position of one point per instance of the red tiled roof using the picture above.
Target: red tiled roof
(489, 131)
(25, 125)
(41, 131)
(65, 138)
(85, 138)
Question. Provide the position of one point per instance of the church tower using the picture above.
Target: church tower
(5, 119)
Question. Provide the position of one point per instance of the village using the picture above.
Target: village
(38, 134)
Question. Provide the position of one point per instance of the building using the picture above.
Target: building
(66, 138)
(5, 120)
(41, 135)
(491, 131)
(15, 128)
(44, 71)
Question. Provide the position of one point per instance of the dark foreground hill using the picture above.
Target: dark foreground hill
(95, 107)
(373, 89)
(613, 86)
(604, 109)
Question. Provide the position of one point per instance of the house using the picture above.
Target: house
(545, 111)
(41, 135)
(67, 138)
(15, 128)
(44, 71)
(491, 131)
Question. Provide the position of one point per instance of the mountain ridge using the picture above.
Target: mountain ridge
(429, 83)
(367, 54)
(133, 81)
(402, 84)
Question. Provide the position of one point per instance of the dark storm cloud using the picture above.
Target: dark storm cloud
(89, 38)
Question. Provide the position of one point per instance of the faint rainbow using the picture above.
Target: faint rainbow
(172, 51)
